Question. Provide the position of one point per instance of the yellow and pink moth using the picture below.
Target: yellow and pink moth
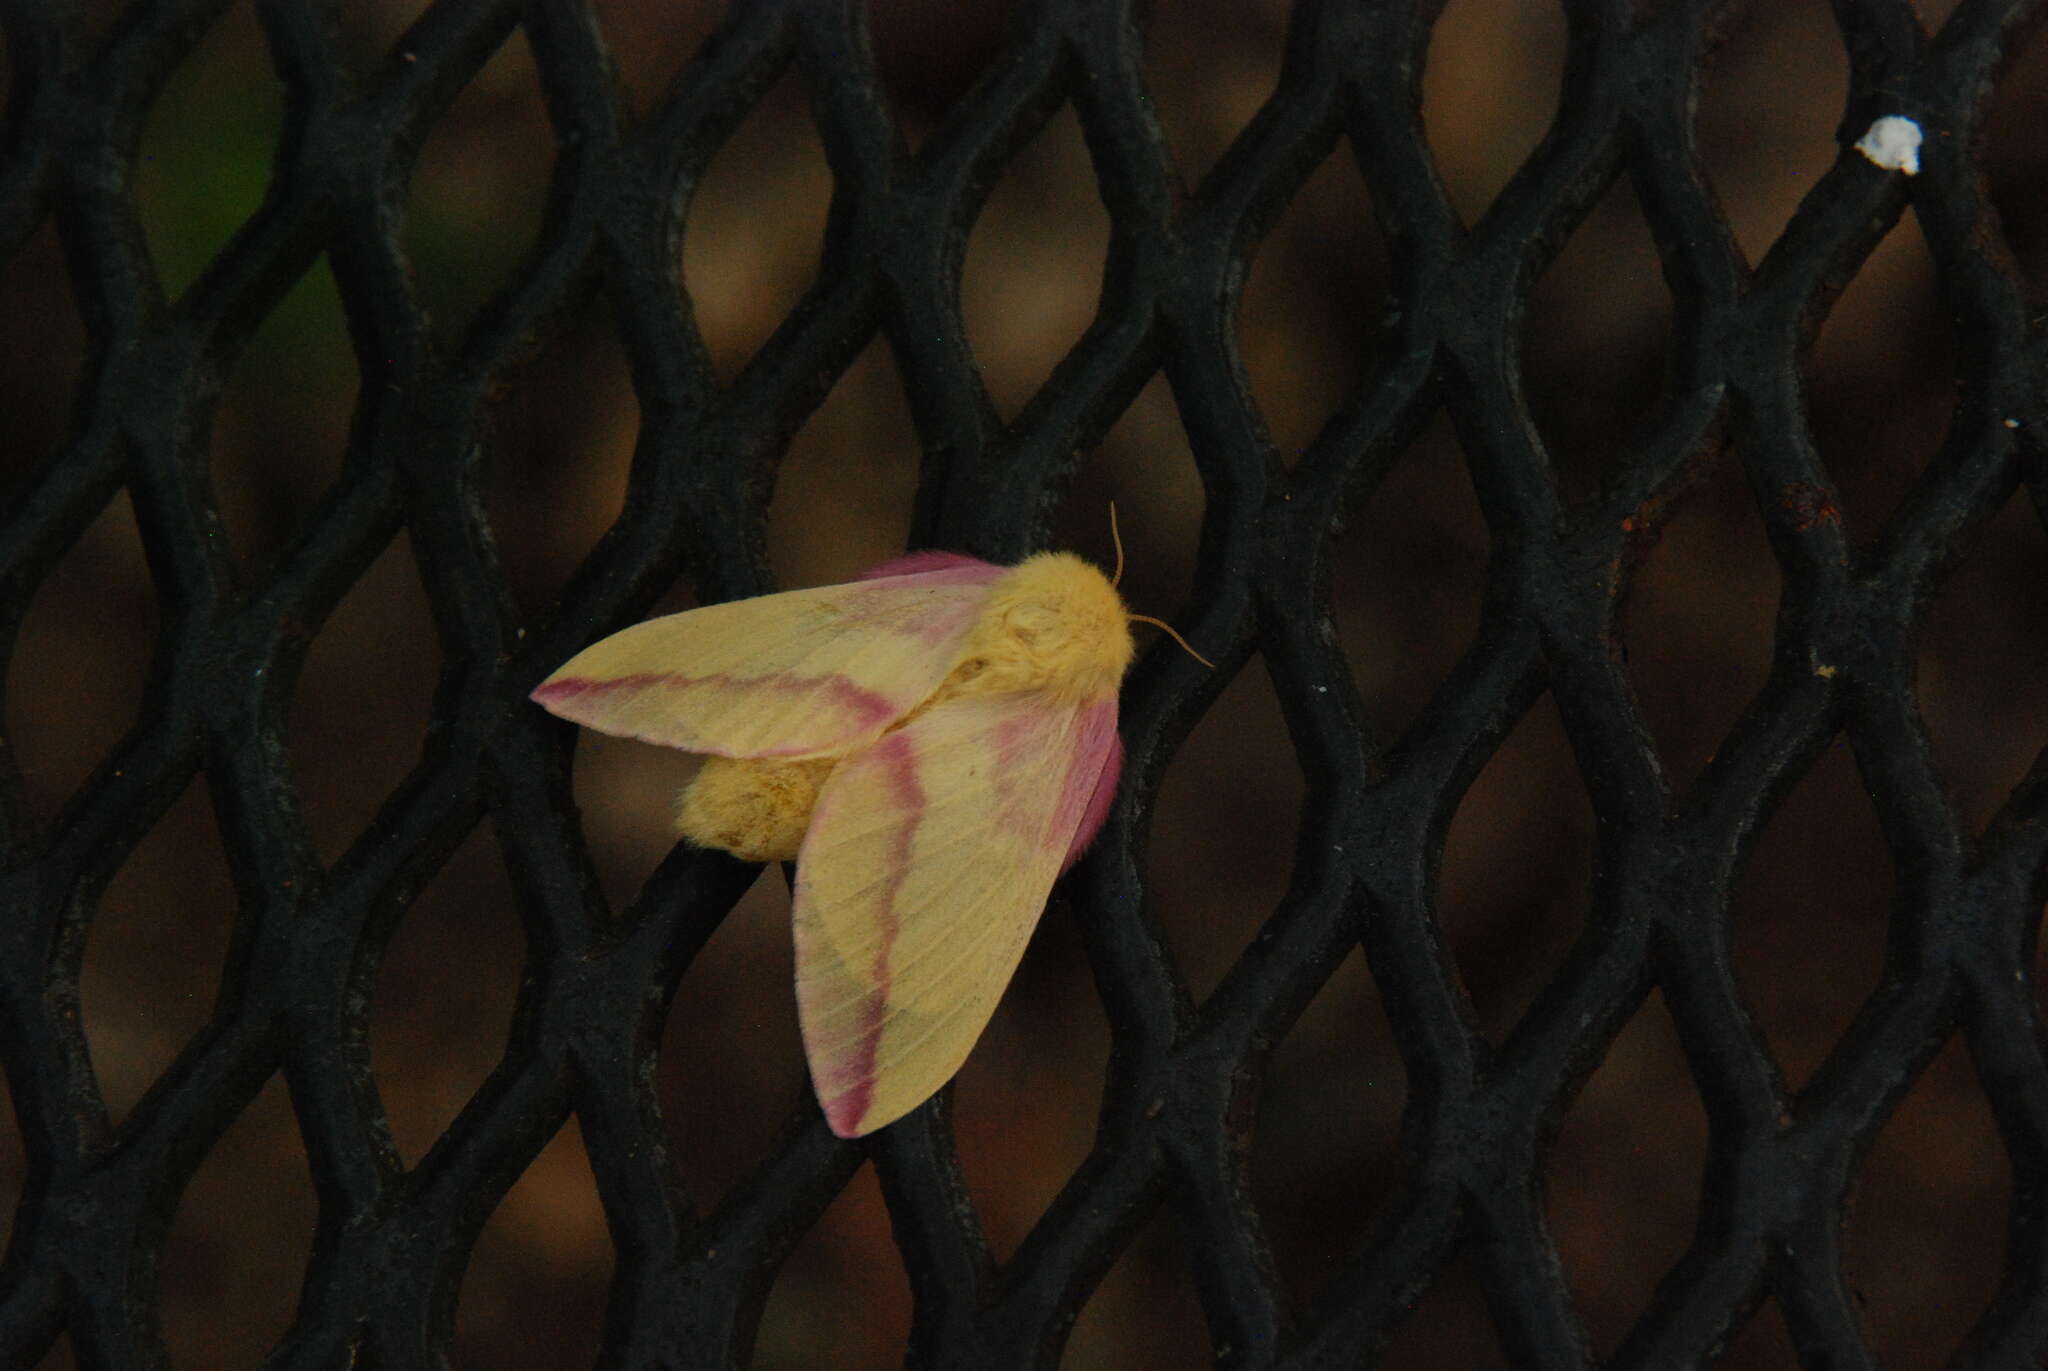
(933, 744)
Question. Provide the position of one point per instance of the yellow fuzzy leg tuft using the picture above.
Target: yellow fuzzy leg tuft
(755, 808)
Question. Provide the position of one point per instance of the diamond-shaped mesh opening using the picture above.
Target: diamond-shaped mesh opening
(844, 489)
(1927, 1233)
(1624, 1181)
(1489, 90)
(443, 1002)
(1325, 1157)
(1595, 342)
(535, 1289)
(1698, 627)
(1811, 915)
(79, 670)
(1032, 276)
(757, 218)
(1883, 384)
(1983, 675)
(478, 188)
(802, 344)
(1229, 811)
(1314, 304)
(205, 155)
(731, 1068)
(2014, 157)
(154, 951)
(364, 697)
(1770, 99)
(563, 431)
(292, 393)
(1143, 467)
(1517, 862)
(251, 1191)
(1026, 1104)
(1409, 576)
(1209, 66)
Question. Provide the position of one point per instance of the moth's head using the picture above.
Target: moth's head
(1055, 623)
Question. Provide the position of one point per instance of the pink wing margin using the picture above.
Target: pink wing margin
(1102, 747)
(918, 563)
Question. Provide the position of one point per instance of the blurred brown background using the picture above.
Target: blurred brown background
(1927, 1236)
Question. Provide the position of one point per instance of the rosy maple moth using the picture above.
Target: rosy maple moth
(933, 744)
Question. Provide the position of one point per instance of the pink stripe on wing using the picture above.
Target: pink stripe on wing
(847, 1093)
(874, 709)
(564, 694)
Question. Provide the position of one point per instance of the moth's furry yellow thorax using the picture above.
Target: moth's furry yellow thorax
(1052, 623)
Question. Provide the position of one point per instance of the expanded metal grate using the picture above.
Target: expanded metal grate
(392, 1243)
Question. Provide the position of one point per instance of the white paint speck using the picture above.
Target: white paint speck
(2012, 423)
(1893, 142)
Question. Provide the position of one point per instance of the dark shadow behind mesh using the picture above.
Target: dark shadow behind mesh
(1592, 905)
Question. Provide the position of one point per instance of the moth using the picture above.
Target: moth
(932, 744)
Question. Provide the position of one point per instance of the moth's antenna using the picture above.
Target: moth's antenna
(1116, 538)
(1161, 623)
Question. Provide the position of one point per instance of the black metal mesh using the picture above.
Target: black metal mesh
(392, 1244)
